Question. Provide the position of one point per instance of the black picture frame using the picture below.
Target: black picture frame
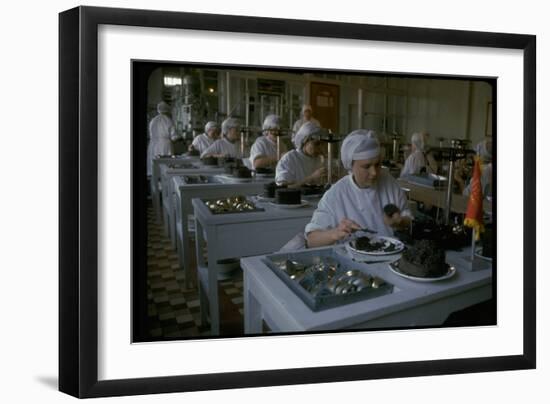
(78, 201)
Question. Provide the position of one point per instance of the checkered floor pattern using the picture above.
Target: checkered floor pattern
(173, 311)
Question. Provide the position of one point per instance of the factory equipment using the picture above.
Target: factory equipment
(456, 152)
(396, 139)
(190, 108)
(330, 138)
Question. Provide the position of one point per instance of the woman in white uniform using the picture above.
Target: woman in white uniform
(357, 201)
(263, 153)
(229, 144)
(485, 153)
(417, 160)
(307, 116)
(303, 165)
(205, 140)
(162, 132)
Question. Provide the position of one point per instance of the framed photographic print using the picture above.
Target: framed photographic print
(199, 156)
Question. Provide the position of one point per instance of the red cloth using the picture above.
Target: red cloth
(474, 212)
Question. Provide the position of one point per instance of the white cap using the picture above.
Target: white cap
(230, 123)
(272, 122)
(359, 145)
(163, 107)
(211, 125)
(417, 139)
(306, 107)
(483, 150)
(306, 132)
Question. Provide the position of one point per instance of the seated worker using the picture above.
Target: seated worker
(303, 165)
(357, 200)
(417, 161)
(485, 154)
(307, 116)
(263, 153)
(203, 141)
(229, 144)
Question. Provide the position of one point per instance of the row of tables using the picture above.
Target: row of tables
(252, 235)
(236, 235)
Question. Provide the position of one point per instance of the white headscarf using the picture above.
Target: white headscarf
(306, 107)
(485, 153)
(359, 145)
(417, 139)
(306, 132)
(230, 123)
(210, 125)
(272, 122)
(163, 108)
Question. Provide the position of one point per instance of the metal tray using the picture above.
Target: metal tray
(200, 179)
(327, 279)
(427, 180)
(231, 204)
(182, 166)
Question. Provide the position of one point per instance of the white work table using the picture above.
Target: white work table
(184, 193)
(155, 178)
(236, 235)
(169, 171)
(412, 303)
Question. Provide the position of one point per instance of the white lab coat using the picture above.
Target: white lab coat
(264, 146)
(482, 150)
(415, 162)
(202, 142)
(295, 166)
(225, 147)
(162, 132)
(365, 206)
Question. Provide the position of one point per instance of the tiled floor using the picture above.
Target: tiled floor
(173, 311)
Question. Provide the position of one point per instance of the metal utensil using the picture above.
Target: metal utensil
(366, 230)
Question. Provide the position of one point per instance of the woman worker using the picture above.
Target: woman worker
(263, 153)
(307, 116)
(485, 153)
(205, 140)
(229, 144)
(357, 201)
(162, 132)
(303, 165)
(417, 160)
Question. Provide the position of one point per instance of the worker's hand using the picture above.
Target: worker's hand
(397, 221)
(345, 228)
(190, 148)
(319, 173)
(394, 220)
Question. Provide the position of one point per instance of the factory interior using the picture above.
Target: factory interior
(298, 201)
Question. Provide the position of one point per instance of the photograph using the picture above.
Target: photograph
(275, 202)
(262, 201)
(362, 200)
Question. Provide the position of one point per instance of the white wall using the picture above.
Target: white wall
(28, 349)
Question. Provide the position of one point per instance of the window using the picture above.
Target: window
(172, 81)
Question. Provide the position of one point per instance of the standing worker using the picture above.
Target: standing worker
(162, 133)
